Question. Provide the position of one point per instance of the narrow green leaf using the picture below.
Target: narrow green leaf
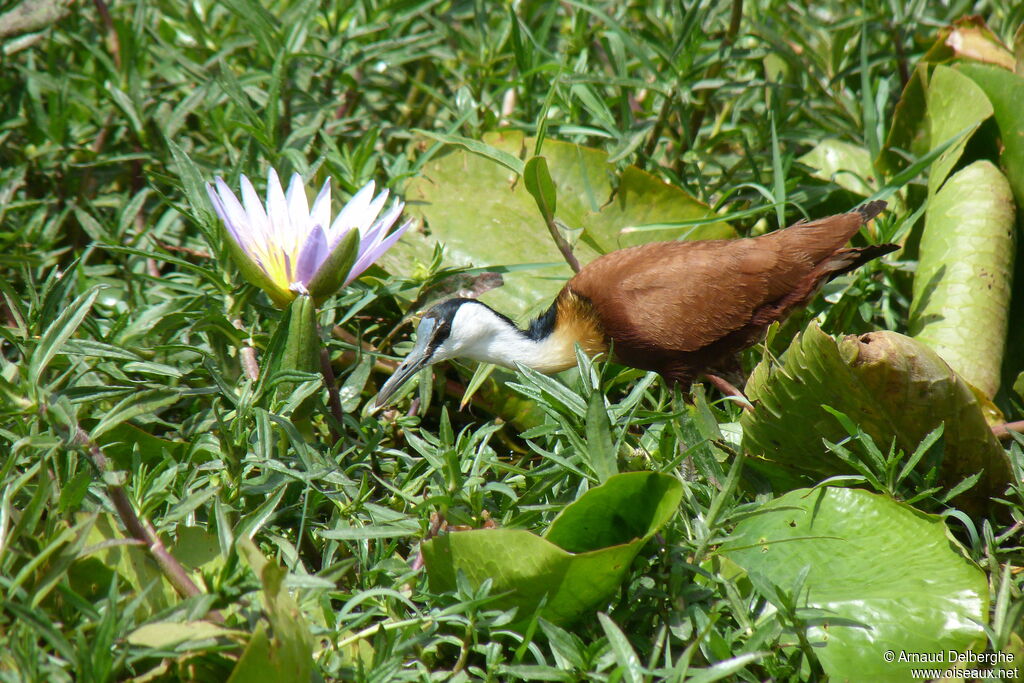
(167, 634)
(867, 100)
(509, 161)
(625, 655)
(603, 460)
(193, 185)
(59, 331)
(725, 668)
(366, 532)
(481, 374)
(778, 175)
(564, 643)
(140, 403)
(127, 107)
(254, 521)
(540, 186)
(351, 391)
(569, 400)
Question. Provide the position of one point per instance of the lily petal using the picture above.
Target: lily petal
(298, 210)
(374, 209)
(351, 215)
(258, 222)
(376, 232)
(367, 258)
(321, 213)
(277, 207)
(311, 256)
(231, 212)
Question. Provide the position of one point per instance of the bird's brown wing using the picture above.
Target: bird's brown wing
(681, 307)
(680, 296)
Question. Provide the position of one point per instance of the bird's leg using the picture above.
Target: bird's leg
(728, 389)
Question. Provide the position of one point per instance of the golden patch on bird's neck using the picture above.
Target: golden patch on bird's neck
(576, 322)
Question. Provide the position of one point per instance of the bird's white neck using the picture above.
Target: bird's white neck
(481, 334)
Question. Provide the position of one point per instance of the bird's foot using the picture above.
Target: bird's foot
(729, 389)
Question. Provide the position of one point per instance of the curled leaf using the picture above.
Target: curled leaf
(892, 387)
(978, 42)
(963, 281)
(576, 565)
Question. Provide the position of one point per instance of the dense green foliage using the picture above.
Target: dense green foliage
(123, 330)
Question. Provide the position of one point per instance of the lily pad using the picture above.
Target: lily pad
(892, 386)
(884, 576)
(167, 634)
(955, 104)
(112, 553)
(964, 275)
(286, 652)
(1005, 90)
(970, 38)
(907, 131)
(485, 216)
(846, 165)
(576, 565)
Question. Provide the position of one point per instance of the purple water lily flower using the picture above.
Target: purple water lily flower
(288, 249)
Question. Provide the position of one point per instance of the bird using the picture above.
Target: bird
(680, 309)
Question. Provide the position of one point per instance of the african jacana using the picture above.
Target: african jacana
(678, 308)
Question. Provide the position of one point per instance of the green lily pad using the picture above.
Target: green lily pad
(963, 282)
(907, 131)
(286, 652)
(846, 165)
(885, 576)
(955, 104)
(1005, 90)
(111, 554)
(890, 385)
(167, 634)
(485, 216)
(580, 561)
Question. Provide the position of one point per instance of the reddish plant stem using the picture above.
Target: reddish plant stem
(143, 532)
(247, 354)
(562, 245)
(333, 397)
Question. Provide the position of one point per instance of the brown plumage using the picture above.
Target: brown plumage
(678, 308)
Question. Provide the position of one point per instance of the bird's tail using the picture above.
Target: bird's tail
(870, 210)
(851, 258)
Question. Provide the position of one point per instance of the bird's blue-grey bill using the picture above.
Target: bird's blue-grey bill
(405, 371)
(418, 358)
